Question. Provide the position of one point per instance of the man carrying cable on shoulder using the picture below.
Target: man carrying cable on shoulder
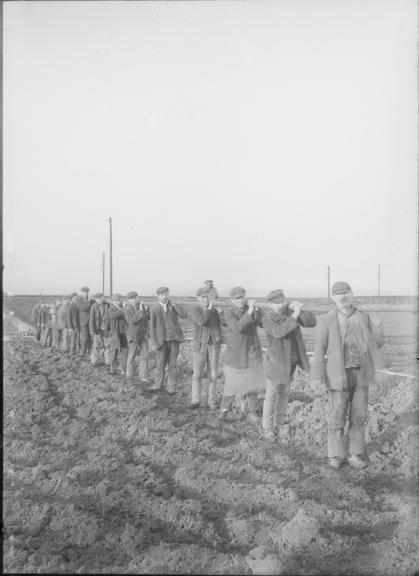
(137, 316)
(286, 351)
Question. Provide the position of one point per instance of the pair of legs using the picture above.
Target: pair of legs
(74, 338)
(64, 342)
(205, 363)
(139, 349)
(85, 340)
(252, 402)
(46, 339)
(275, 402)
(57, 337)
(352, 405)
(166, 355)
(118, 358)
(100, 346)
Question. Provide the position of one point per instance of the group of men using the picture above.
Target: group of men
(120, 330)
(343, 365)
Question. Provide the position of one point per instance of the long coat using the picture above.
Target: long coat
(72, 318)
(84, 305)
(157, 326)
(278, 329)
(99, 320)
(207, 324)
(242, 338)
(117, 327)
(137, 323)
(41, 316)
(328, 363)
(62, 315)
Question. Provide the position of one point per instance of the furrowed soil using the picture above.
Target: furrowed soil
(103, 476)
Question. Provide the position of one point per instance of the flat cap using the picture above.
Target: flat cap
(237, 292)
(209, 281)
(162, 289)
(275, 295)
(73, 294)
(132, 294)
(203, 291)
(341, 288)
(116, 296)
(98, 295)
(85, 289)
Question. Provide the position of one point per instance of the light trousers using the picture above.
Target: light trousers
(205, 374)
(100, 346)
(275, 402)
(347, 405)
(74, 337)
(252, 402)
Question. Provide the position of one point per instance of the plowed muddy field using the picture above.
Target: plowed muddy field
(103, 476)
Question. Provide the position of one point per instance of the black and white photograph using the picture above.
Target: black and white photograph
(210, 287)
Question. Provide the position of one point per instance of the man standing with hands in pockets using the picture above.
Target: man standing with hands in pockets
(345, 355)
(165, 337)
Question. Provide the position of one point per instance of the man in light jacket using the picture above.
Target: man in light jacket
(286, 351)
(344, 361)
(165, 337)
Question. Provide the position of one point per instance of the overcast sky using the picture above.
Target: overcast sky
(254, 143)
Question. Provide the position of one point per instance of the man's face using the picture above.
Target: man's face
(85, 295)
(204, 300)
(117, 302)
(240, 301)
(132, 301)
(163, 297)
(209, 284)
(343, 301)
(100, 300)
(279, 304)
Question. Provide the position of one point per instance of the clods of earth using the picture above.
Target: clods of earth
(103, 476)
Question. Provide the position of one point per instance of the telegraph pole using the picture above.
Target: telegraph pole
(110, 257)
(328, 284)
(103, 273)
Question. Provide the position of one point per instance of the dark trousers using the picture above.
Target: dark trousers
(167, 355)
(118, 357)
(85, 340)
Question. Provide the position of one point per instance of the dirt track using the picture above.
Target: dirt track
(103, 476)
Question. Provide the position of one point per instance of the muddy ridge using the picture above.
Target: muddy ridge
(103, 476)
